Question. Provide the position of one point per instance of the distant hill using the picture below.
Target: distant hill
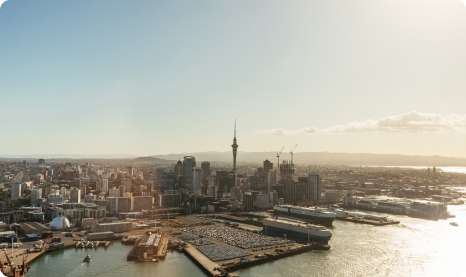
(324, 158)
(128, 160)
(152, 160)
(225, 158)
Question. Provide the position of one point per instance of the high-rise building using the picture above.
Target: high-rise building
(286, 171)
(41, 163)
(205, 174)
(189, 163)
(270, 180)
(15, 192)
(197, 175)
(179, 168)
(36, 195)
(169, 199)
(224, 182)
(75, 195)
(291, 192)
(104, 186)
(168, 180)
(313, 188)
(268, 165)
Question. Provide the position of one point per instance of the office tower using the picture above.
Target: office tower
(15, 192)
(104, 187)
(36, 195)
(205, 174)
(196, 186)
(286, 171)
(179, 168)
(268, 165)
(75, 195)
(314, 188)
(189, 163)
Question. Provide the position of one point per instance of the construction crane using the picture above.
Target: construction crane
(278, 157)
(292, 152)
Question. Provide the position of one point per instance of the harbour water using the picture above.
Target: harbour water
(415, 247)
(447, 169)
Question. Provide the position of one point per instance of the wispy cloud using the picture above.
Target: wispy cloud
(406, 122)
(2, 2)
(288, 132)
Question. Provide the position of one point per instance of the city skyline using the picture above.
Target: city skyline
(384, 77)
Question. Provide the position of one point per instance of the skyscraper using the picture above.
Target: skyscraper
(234, 146)
(75, 195)
(189, 163)
(15, 192)
(205, 174)
(36, 195)
(196, 186)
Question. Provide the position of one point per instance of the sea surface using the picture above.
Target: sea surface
(447, 169)
(415, 247)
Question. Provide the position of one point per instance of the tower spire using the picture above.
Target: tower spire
(234, 147)
(234, 133)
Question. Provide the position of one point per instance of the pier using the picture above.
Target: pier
(210, 267)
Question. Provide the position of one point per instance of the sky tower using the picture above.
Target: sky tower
(234, 146)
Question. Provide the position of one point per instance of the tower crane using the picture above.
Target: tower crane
(278, 157)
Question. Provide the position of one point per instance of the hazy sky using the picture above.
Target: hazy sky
(149, 77)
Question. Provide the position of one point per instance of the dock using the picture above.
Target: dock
(149, 248)
(369, 221)
(210, 267)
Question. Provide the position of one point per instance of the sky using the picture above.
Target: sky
(153, 77)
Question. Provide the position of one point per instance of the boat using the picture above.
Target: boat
(55, 246)
(454, 224)
(297, 230)
(313, 214)
(87, 259)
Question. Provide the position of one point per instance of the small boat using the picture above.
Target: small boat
(87, 259)
(454, 224)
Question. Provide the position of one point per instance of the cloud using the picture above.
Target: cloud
(2, 2)
(288, 132)
(410, 122)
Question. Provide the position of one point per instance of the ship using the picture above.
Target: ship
(311, 214)
(297, 230)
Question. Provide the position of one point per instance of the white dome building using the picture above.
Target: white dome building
(60, 223)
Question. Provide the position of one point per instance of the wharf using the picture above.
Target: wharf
(210, 267)
(369, 221)
(150, 248)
